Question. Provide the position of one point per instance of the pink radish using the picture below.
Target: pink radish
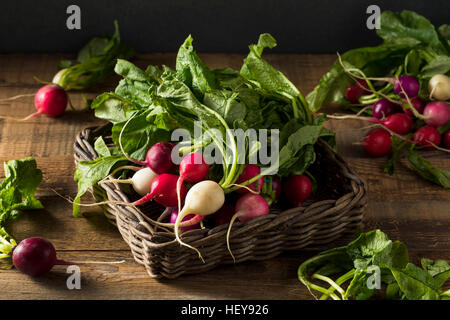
(37, 256)
(437, 113)
(193, 168)
(447, 139)
(426, 134)
(383, 108)
(159, 157)
(189, 217)
(204, 198)
(249, 172)
(297, 189)
(248, 207)
(377, 142)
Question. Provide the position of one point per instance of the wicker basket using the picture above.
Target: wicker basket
(336, 210)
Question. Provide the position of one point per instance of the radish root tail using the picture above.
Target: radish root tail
(180, 217)
(228, 235)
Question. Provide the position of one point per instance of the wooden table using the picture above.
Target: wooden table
(404, 206)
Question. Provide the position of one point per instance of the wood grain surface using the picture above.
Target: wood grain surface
(403, 205)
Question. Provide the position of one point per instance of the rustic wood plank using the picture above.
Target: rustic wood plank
(404, 206)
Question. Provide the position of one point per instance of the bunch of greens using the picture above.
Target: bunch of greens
(17, 194)
(95, 62)
(154, 102)
(411, 46)
(373, 255)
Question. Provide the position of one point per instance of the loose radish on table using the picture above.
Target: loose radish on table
(437, 114)
(249, 172)
(50, 100)
(426, 134)
(248, 207)
(377, 142)
(439, 87)
(193, 168)
(204, 198)
(141, 181)
(297, 188)
(37, 256)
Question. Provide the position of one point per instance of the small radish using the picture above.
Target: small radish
(297, 189)
(57, 77)
(437, 113)
(383, 108)
(37, 256)
(426, 134)
(249, 172)
(51, 100)
(447, 139)
(356, 90)
(224, 215)
(193, 168)
(141, 181)
(248, 207)
(417, 104)
(439, 87)
(204, 198)
(408, 84)
(159, 157)
(163, 191)
(173, 219)
(276, 186)
(377, 142)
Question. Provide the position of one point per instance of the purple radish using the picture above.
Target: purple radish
(417, 104)
(159, 157)
(409, 84)
(383, 108)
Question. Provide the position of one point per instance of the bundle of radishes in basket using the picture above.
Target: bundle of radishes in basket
(211, 146)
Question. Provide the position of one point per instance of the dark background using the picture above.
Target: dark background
(318, 26)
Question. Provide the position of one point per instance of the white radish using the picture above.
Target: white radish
(204, 198)
(141, 180)
(439, 87)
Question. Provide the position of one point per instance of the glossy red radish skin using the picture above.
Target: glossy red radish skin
(193, 167)
(159, 157)
(51, 100)
(276, 185)
(249, 172)
(297, 188)
(409, 84)
(250, 206)
(356, 90)
(164, 191)
(426, 134)
(377, 143)
(437, 113)
(34, 256)
(399, 123)
(447, 139)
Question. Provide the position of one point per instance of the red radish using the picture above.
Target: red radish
(399, 123)
(163, 191)
(173, 219)
(224, 215)
(437, 113)
(297, 189)
(141, 181)
(356, 90)
(51, 100)
(248, 207)
(249, 172)
(37, 256)
(193, 168)
(377, 142)
(417, 104)
(159, 157)
(383, 108)
(425, 135)
(447, 139)
(204, 198)
(408, 84)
